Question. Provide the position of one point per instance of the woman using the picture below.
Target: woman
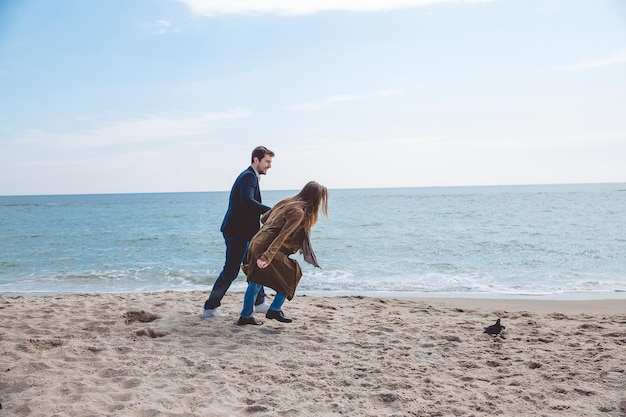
(286, 229)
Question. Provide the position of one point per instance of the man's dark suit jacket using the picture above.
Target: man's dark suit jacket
(244, 207)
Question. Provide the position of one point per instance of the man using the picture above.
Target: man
(241, 222)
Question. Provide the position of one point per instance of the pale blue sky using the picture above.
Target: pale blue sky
(110, 96)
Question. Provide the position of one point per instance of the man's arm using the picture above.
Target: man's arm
(248, 184)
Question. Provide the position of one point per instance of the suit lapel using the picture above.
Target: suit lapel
(257, 192)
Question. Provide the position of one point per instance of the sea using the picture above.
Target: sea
(545, 241)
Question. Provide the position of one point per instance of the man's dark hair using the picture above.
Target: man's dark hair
(260, 152)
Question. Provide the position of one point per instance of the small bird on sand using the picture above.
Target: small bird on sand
(494, 329)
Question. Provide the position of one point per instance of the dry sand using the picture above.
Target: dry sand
(150, 354)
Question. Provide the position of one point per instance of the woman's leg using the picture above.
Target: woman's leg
(277, 304)
(275, 312)
(249, 298)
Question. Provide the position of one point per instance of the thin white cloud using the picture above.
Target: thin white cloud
(151, 129)
(161, 27)
(302, 7)
(328, 101)
(597, 63)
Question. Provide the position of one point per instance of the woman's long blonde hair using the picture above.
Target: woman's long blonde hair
(312, 198)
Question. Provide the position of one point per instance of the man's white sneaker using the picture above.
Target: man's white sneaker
(214, 312)
(261, 308)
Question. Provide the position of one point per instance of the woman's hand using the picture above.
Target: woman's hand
(261, 264)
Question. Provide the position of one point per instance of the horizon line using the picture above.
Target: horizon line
(330, 189)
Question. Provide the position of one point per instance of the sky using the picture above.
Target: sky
(123, 96)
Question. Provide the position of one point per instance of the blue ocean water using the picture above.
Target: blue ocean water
(483, 241)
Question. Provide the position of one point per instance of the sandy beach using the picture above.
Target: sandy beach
(150, 354)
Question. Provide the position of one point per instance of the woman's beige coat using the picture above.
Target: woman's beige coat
(282, 235)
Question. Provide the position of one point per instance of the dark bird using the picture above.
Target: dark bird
(494, 329)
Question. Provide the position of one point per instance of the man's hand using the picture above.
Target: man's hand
(261, 264)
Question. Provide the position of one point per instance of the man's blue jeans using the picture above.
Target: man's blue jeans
(235, 255)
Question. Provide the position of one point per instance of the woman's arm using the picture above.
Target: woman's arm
(293, 220)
